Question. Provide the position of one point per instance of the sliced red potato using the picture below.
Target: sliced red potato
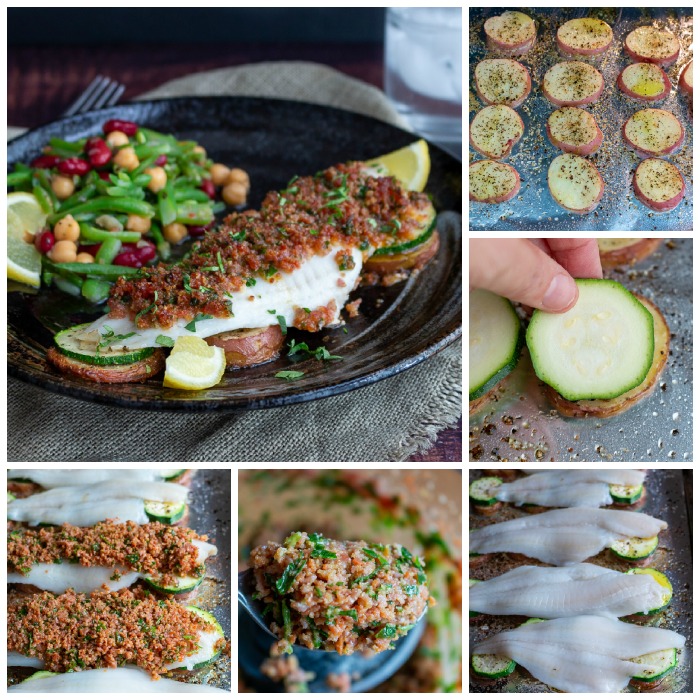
(572, 83)
(495, 130)
(625, 251)
(108, 374)
(652, 45)
(585, 37)
(502, 81)
(686, 80)
(575, 183)
(413, 259)
(653, 132)
(604, 408)
(492, 182)
(644, 81)
(249, 346)
(574, 131)
(658, 184)
(512, 33)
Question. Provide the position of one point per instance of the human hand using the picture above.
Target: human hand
(537, 272)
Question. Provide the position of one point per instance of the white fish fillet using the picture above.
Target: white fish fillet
(58, 578)
(564, 536)
(581, 589)
(109, 680)
(587, 653)
(568, 487)
(51, 478)
(121, 499)
(316, 283)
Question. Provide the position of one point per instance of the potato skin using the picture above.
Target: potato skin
(480, 147)
(664, 206)
(644, 153)
(593, 205)
(683, 83)
(642, 58)
(414, 259)
(249, 346)
(494, 42)
(643, 98)
(567, 50)
(598, 408)
(585, 149)
(588, 99)
(497, 198)
(629, 254)
(109, 374)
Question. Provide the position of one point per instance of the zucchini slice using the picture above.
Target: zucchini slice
(626, 494)
(185, 584)
(663, 580)
(172, 474)
(599, 349)
(481, 490)
(492, 666)
(495, 341)
(663, 661)
(167, 513)
(10, 496)
(420, 229)
(209, 644)
(635, 548)
(69, 345)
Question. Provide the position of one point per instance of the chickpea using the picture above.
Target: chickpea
(219, 174)
(126, 158)
(66, 229)
(28, 237)
(234, 194)
(62, 186)
(63, 251)
(174, 233)
(142, 224)
(116, 139)
(85, 258)
(200, 150)
(158, 178)
(241, 176)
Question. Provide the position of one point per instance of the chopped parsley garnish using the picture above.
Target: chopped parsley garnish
(108, 338)
(220, 262)
(271, 271)
(289, 374)
(411, 590)
(291, 571)
(387, 632)
(165, 341)
(240, 236)
(374, 555)
(250, 282)
(319, 353)
(148, 309)
(283, 324)
(191, 326)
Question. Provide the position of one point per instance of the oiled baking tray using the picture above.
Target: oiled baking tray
(665, 499)
(520, 425)
(533, 209)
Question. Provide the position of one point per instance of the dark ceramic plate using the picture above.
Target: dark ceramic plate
(397, 327)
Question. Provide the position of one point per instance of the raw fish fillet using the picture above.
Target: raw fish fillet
(58, 578)
(568, 487)
(564, 536)
(581, 589)
(107, 680)
(584, 654)
(51, 478)
(120, 499)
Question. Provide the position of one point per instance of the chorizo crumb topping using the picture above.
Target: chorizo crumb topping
(150, 549)
(76, 631)
(343, 206)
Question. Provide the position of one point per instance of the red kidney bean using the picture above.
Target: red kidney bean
(128, 258)
(92, 248)
(98, 151)
(197, 230)
(145, 251)
(74, 166)
(46, 161)
(44, 241)
(128, 128)
(104, 176)
(208, 187)
(161, 160)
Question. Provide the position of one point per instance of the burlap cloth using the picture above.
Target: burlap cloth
(387, 421)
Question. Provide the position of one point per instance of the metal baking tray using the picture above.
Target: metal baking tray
(665, 499)
(533, 208)
(520, 425)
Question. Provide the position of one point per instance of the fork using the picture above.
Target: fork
(101, 92)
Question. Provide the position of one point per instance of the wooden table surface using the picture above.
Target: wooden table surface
(43, 81)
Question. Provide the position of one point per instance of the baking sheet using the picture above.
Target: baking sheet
(533, 208)
(665, 499)
(520, 425)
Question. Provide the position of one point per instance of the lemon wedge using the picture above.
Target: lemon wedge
(409, 165)
(23, 259)
(194, 365)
